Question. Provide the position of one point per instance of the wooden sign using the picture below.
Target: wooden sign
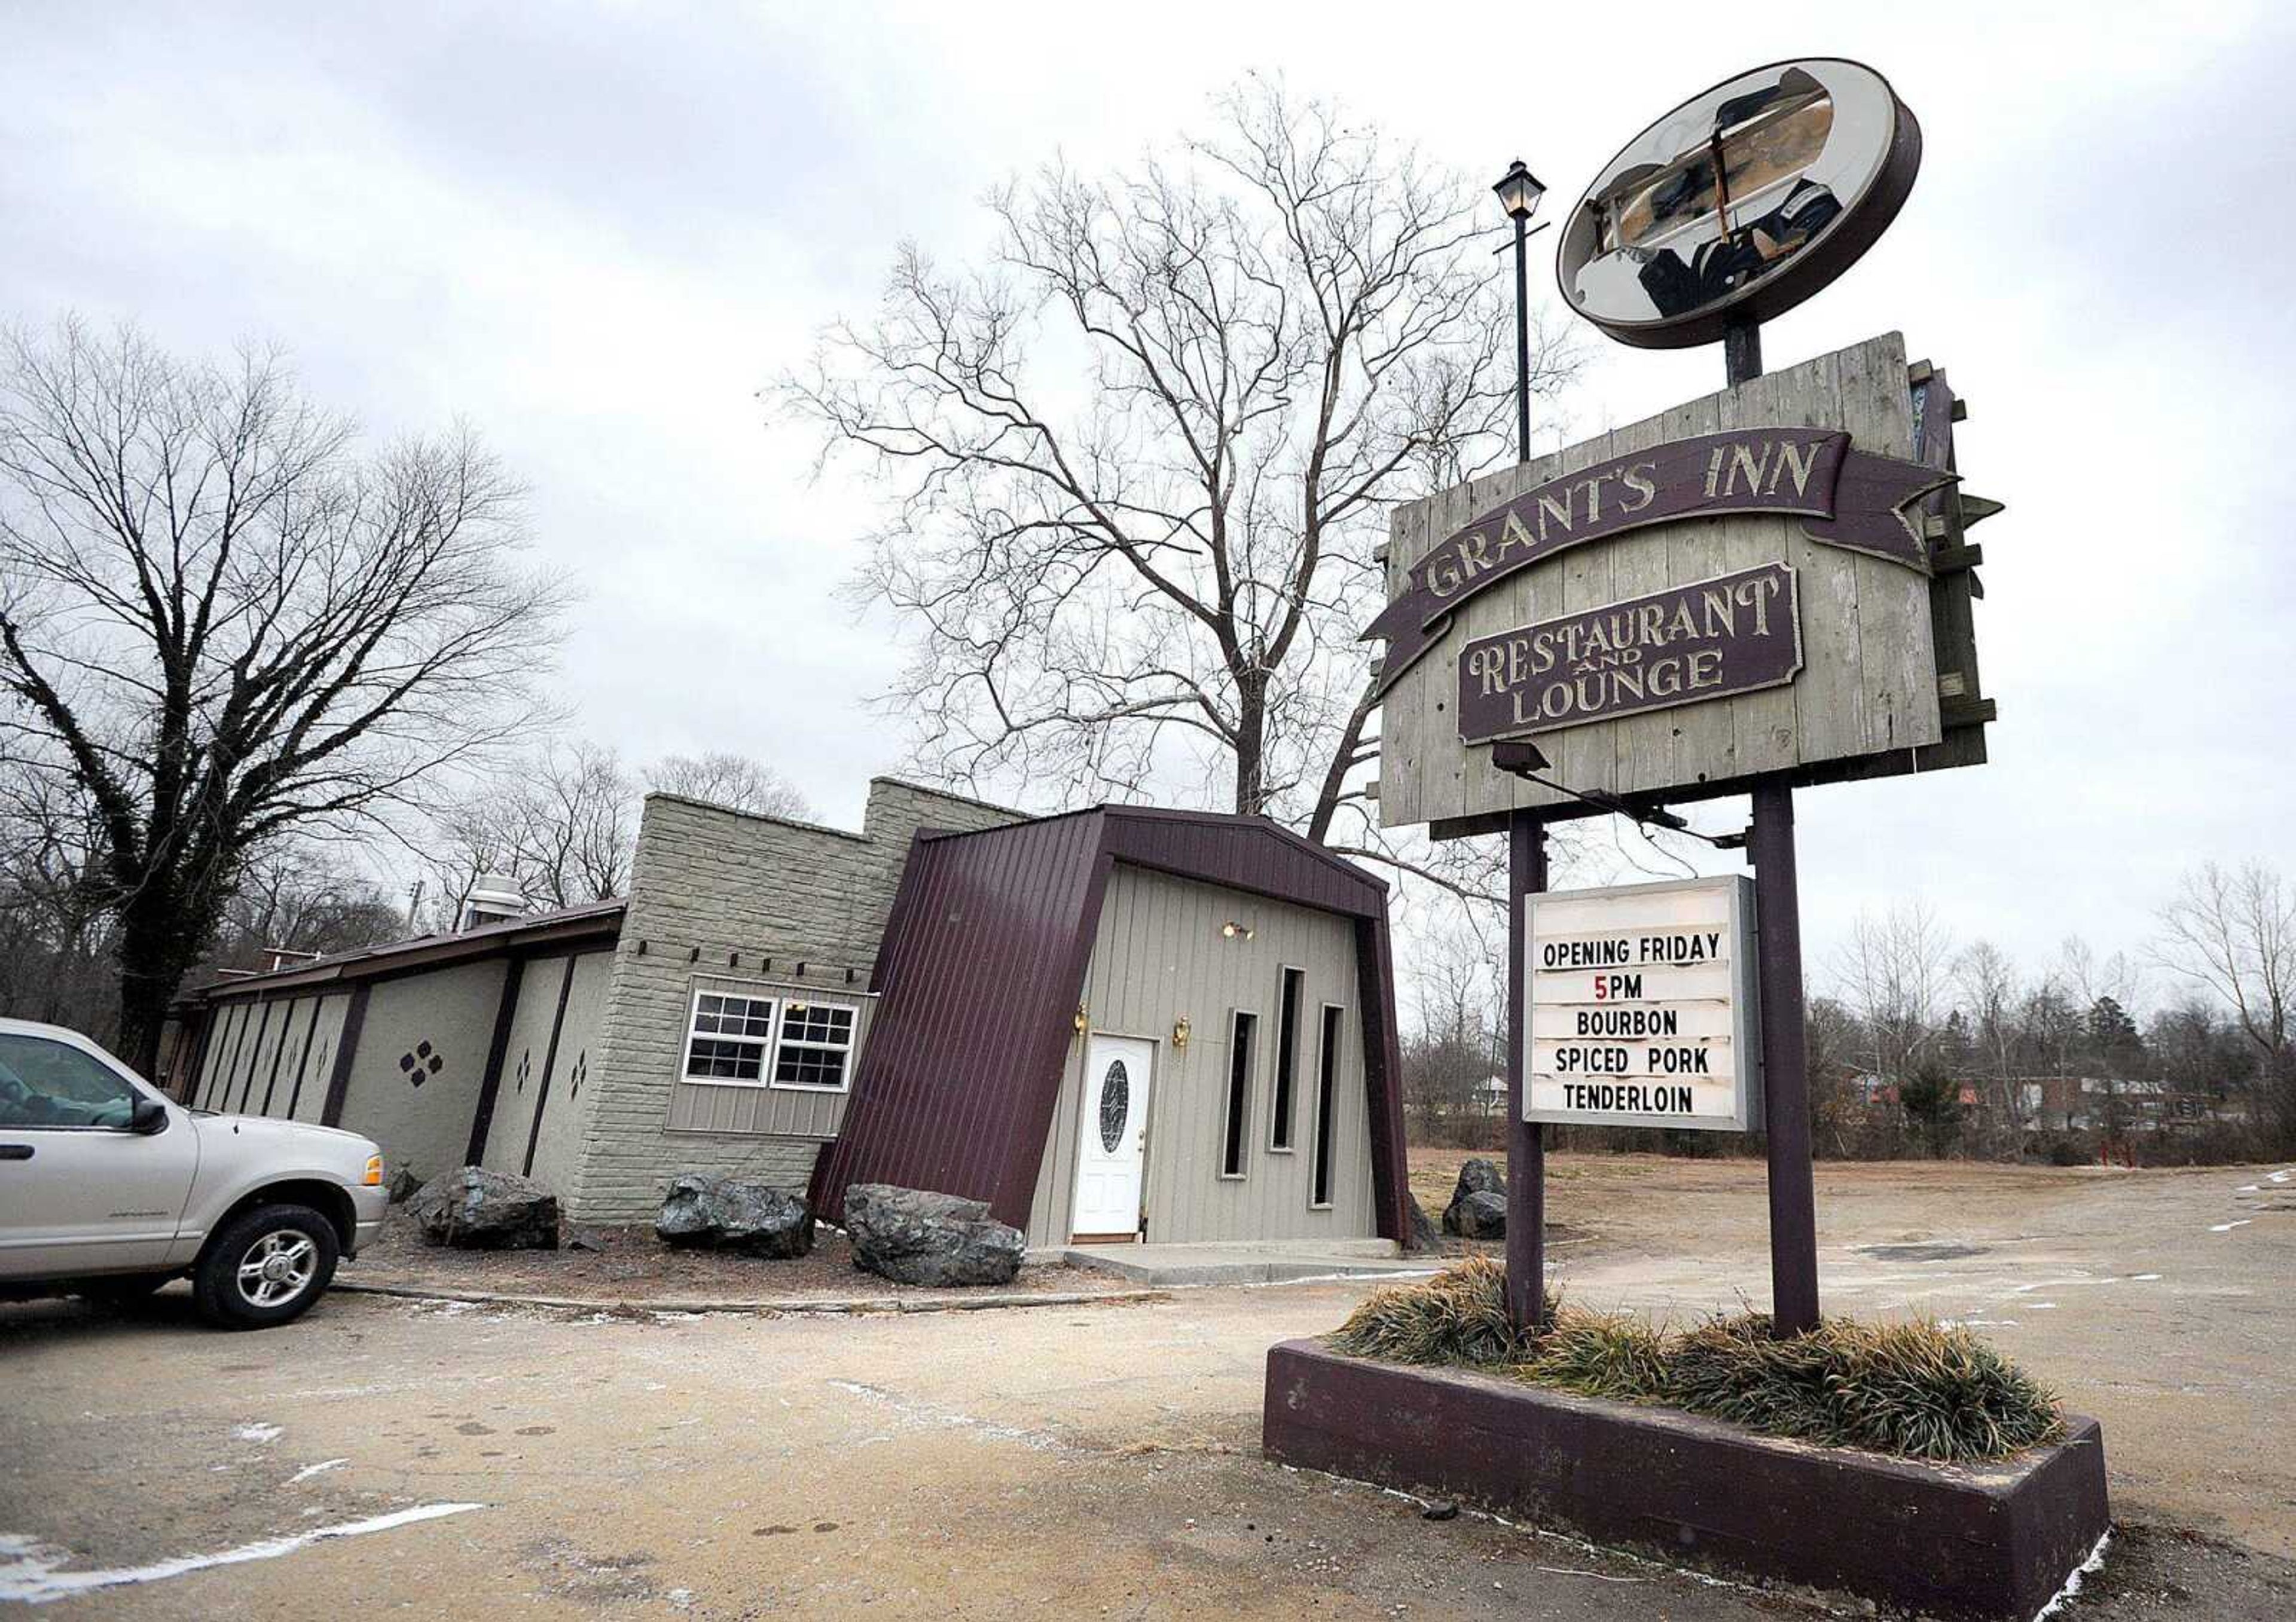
(1845, 497)
(1818, 477)
(1686, 645)
(1642, 1007)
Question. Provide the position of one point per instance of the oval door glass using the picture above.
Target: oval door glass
(1115, 1106)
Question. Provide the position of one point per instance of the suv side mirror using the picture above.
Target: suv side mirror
(147, 1117)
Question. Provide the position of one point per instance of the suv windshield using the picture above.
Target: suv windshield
(45, 1083)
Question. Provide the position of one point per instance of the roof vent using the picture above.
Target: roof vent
(494, 899)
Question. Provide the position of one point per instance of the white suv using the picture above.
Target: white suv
(108, 1189)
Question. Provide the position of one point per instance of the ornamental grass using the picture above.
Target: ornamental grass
(1915, 1390)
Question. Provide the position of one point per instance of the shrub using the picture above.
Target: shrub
(1915, 1389)
(1458, 1316)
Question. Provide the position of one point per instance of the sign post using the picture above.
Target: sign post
(1526, 1225)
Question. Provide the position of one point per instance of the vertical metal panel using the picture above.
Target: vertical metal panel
(257, 1050)
(523, 1051)
(983, 960)
(229, 1019)
(308, 1100)
(549, 1067)
(574, 1080)
(491, 1084)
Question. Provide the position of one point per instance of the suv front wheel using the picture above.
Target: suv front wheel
(265, 1267)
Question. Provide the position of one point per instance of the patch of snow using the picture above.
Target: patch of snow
(2090, 1567)
(2229, 1227)
(309, 1470)
(2144, 1278)
(258, 1433)
(32, 1573)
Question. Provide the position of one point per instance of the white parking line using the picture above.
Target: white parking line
(32, 1572)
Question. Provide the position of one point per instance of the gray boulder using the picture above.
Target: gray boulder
(914, 1237)
(476, 1209)
(726, 1214)
(1479, 1216)
(1478, 1178)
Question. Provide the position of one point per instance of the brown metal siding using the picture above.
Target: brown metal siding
(983, 969)
(980, 978)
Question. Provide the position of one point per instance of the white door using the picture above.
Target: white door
(1111, 1136)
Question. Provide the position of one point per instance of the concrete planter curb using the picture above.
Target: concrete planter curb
(854, 1305)
(1994, 1540)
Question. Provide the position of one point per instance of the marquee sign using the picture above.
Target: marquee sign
(1740, 204)
(1732, 634)
(1846, 497)
(1643, 1007)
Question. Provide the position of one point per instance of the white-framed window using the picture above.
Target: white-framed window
(760, 1038)
(816, 1050)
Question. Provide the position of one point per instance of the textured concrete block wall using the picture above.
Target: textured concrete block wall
(728, 896)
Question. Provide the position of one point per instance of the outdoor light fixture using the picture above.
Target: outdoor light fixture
(1528, 760)
(1232, 929)
(1519, 191)
(1180, 1032)
(1081, 1020)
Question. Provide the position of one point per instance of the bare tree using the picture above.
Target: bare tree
(1989, 981)
(734, 781)
(561, 823)
(1136, 468)
(562, 820)
(1893, 977)
(2235, 934)
(223, 623)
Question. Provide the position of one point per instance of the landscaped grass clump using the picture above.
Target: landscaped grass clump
(1458, 1316)
(1915, 1389)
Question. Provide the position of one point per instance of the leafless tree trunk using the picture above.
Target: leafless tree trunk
(223, 624)
(2235, 934)
(1136, 470)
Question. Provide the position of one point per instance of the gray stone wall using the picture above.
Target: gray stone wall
(726, 896)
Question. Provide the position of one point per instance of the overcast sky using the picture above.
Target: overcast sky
(594, 233)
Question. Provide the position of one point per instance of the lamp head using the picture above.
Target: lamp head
(1519, 191)
(1519, 758)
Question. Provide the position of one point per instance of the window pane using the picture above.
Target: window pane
(718, 1060)
(818, 1022)
(48, 1083)
(1327, 1077)
(1287, 1060)
(803, 1067)
(1239, 1094)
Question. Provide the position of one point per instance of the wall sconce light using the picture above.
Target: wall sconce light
(1180, 1033)
(1081, 1020)
(1232, 929)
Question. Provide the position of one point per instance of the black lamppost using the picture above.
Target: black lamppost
(1519, 192)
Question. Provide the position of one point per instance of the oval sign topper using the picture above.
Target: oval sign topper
(1740, 204)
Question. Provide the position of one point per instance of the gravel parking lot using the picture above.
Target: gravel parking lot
(451, 1461)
